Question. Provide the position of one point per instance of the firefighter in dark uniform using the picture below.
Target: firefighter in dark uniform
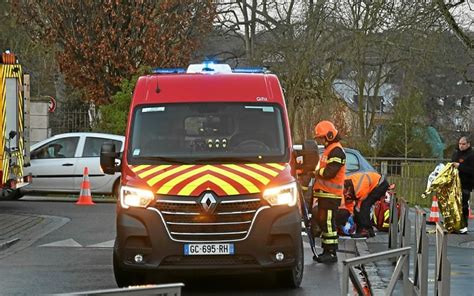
(328, 188)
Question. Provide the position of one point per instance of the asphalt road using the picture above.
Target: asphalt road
(76, 255)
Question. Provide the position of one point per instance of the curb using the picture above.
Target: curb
(7, 244)
(28, 231)
(64, 199)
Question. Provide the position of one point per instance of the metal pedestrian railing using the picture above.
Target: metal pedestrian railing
(442, 264)
(420, 263)
(401, 270)
(404, 225)
(393, 224)
(399, 247)
(400, 225)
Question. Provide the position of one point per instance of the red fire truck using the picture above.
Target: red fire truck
(14, 126)
(208, 177)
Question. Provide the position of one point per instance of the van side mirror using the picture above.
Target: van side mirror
(107, 158)
(310, 155)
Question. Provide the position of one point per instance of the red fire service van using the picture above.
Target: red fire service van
(208, 177)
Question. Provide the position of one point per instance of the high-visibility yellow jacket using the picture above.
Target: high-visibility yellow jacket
(364, 183)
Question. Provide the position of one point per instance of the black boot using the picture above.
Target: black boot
(363, 233)
(327, 257)
(371, 232)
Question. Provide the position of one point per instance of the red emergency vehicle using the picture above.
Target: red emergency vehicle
(208, 177)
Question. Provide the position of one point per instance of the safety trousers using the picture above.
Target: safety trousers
(326, 219)
(363, 217)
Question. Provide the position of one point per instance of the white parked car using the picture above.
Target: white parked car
(57, 163)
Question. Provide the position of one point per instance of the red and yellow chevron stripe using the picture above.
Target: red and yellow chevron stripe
(10, 71)
(223, 179)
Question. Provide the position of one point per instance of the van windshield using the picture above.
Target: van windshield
(207, 133)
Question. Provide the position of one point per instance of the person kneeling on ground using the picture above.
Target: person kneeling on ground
(368, 187)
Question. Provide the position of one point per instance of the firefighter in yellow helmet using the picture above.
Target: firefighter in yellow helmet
(328, 187)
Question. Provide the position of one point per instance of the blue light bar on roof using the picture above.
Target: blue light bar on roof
(168, 70)
(250, 70)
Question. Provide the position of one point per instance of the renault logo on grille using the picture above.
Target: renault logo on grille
(208, 202)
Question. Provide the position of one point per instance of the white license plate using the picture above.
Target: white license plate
(208, 249)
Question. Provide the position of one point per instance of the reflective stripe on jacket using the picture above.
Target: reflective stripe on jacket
(364, 183)
(334, 187)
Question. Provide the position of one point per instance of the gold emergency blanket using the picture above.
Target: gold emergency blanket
(447, 187)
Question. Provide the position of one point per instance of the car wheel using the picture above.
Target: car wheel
(292, 278)
(124, 277)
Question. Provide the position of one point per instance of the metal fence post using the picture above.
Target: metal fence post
(442, 264)
(384, 168)
(404, 241)
(404, 226)
(420, 262)
(393, 227)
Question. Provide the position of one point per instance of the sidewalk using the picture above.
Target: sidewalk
(460, 254)
(18, 231)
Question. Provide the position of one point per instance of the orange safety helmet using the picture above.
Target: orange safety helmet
(325, 129)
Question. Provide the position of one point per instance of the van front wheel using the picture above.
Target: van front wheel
(292, 278)
(125, 278)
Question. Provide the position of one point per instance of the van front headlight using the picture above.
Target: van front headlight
(282, 195)
(135, 197)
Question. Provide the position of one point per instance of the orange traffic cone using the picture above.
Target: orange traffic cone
(434, 214)
(85, 197)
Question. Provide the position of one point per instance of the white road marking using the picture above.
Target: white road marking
(107, 244)
(68, 243)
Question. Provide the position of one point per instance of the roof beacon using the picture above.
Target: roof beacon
(209, 67)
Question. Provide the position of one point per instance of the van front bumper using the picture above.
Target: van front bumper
(143, 232)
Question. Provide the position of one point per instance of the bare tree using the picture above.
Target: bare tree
(294, 40)
(450, 11)
(363, 44)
